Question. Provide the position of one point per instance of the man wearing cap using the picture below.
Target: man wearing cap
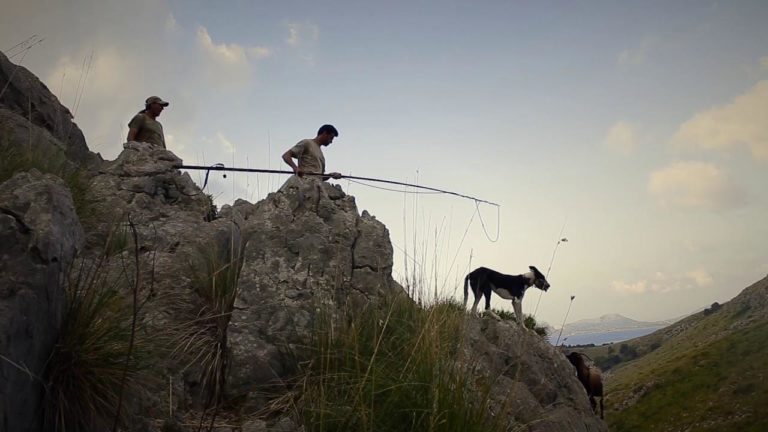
(310, 155)
(144, 126)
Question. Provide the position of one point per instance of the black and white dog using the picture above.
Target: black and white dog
(484, 280)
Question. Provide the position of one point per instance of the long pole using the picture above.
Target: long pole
(566, 317)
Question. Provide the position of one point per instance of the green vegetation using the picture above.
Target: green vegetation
(718, 387)
(704, 373)
(99, 354)
(394, 367)
(201, 338)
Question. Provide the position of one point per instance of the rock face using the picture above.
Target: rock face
(29, 112)
(39, 236)
(539, 380)
(307, 248)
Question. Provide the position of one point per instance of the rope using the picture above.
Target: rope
(389, 189)
(270, 171)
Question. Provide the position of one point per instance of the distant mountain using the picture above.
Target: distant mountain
(705, 372)
(609, 327)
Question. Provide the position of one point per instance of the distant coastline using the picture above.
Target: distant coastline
(603, 337)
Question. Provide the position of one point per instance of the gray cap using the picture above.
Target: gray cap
(157, 100)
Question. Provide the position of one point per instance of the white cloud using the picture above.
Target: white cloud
(224, 54)
(229, 64)
(701, 277)
(302, 33)
(621, 137)
(630, 288)
(661, 283)
(639, 54)
(694, 184)
(225, 143)
(743, 122)
(259, 52)
(764, 63)
(170, 23)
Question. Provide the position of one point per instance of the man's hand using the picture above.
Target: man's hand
(335, 175)
(298, 171)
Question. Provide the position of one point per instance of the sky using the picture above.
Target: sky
(638, 131)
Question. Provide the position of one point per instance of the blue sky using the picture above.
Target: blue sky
(641, 127)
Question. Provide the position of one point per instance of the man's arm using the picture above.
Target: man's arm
(134, 125)
(288, 158)
(132, 134)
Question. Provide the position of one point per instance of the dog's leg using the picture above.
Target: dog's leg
(476, 290)
(466, 291)
(487, 290)
(517, 304)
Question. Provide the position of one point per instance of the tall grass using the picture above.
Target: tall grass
(100, 352)
(200, 338)
(394, 367)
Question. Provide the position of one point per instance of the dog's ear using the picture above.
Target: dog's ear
(536, 273)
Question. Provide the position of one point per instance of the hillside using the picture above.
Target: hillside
(706, 372)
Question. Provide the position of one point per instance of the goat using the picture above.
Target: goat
(484, 280)
(590, 378)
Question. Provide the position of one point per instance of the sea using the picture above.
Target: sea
(602, 338)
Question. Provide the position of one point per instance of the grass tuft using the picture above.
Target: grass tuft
(394, 367)
(84, 375)
(200, 340)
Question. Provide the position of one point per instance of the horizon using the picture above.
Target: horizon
(636, 131)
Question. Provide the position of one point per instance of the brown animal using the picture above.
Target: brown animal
(590, 378)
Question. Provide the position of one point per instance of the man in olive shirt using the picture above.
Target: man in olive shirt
(144, 126)
(310, 155)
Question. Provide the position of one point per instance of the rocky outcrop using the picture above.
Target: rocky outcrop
(307, 248)
(532, 383)
(39, 236)
(30, 113)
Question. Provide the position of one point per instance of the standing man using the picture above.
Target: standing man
(144, 126)
(310, 154)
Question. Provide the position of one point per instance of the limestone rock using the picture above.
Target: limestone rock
(27, 100)
(307, 248)
(39, 236)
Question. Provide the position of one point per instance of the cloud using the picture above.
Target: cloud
(259, 53)
(229, 64)
(701, 277)
(764, 63)
(621, 137)
(225, 143)
(694, 185)
(661, 283)
(630, 288)
(301, 33)
(639, 54)
(743, 122)
(170, 24)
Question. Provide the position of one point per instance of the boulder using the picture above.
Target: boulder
(39, 237)
(308, 248)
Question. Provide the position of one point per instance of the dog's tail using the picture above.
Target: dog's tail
(466, 290)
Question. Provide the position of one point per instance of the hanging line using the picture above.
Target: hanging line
(221, 167)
